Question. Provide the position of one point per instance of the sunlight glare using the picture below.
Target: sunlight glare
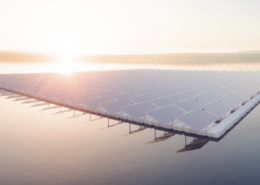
(67, 51)
(65, 63)
(65, 67)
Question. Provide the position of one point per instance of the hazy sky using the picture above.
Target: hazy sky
(133, 26)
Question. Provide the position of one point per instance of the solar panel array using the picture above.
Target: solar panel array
(197, 98)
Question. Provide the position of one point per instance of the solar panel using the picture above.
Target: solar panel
(166, 114)
(236, 85)
(125, 95)
(206, 98)
(209, 87)
(178, 85)
(249, 89)
(95, 91)
(100, 89)
(217, 108)
(218, 93)
(131, 89)
(192, 85)
(74, 100)
(143, 98)
(189, 105)
(94, 103)
(228, 89)
(88, 96)
(165, 87)
(242, 96)
(181, 89)
(231, 101)
(198, 91)
(114, 106)
(257, 83)
(163, 93)
(198, 119)
(218, 84)
(184, 95)
(161, 102)
(148, 91)
(139, 110)
(203, 83)
(242, 82)
(117, 88)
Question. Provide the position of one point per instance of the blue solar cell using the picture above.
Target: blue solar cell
(198, 119)
(114, 106)
(217, 108)
(189, 105)
(125, 95)
(184, 95)
(231, 101)
(164, 93)
(94, 103)
(139, 110)
(143, 98)
(161, 102)
(166, 114)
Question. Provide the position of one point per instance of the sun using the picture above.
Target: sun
(67, 50)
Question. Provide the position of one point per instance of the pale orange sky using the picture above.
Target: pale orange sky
(70, 27)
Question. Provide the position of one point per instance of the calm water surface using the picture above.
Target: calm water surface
(53, 146)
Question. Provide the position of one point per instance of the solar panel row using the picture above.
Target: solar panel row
(164, 95)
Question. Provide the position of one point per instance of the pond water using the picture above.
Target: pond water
(43, 144)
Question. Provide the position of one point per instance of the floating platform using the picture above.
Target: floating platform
(205, 103)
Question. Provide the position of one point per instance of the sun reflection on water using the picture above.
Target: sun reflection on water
(65, 66)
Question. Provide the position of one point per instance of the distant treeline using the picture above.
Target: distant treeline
(177, 58)
(24, 57)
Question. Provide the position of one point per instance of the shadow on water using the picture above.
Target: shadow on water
(50, 108)
(30, 101)
(64, 111)
(21, 99)
(40, 104)
(161, 138)
(141, 128)
(197, 142)
(75, 116)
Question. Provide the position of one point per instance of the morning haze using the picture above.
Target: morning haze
(129, 27)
